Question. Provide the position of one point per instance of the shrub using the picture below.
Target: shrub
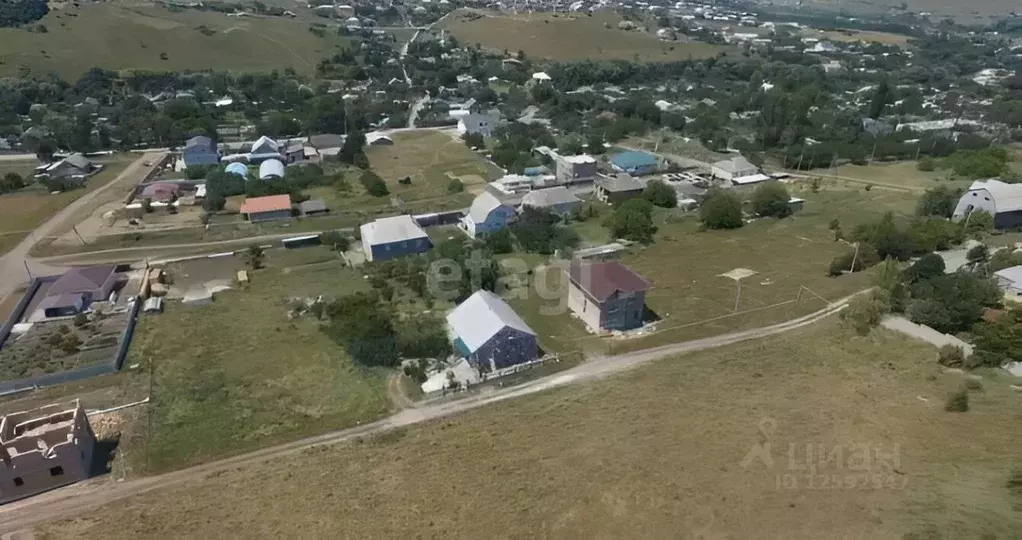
(951, 356)
(660, 194)
(957, 402)
(834, 224)
(373, 184)
(865, 310)
(722, 210)
(926, 164)
(973, 385)
(850, 262)
(455, 186)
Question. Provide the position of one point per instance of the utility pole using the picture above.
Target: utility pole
(27, 270)
(855, 257)
(738, 296)
(75, 229)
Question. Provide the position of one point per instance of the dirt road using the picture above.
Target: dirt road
(13, 263)
(81, 498)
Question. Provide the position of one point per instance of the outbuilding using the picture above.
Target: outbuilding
(393, 237)
(258, 209)
(736, 167)
(489, 334)
(237, 168)
(1001, 200)
(270, 169)
(313, 207)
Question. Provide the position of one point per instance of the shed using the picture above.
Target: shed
(393, 237)
(258, 209)
(153, 305)
(378, 139)
(271, 168)
(313, 207)
(489, 334)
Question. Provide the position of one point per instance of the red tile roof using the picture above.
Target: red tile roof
(601, 280)
(270, 203)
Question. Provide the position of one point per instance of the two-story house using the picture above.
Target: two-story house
(487, 214)
(607, 295)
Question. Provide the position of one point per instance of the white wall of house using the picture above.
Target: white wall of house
(584, 307)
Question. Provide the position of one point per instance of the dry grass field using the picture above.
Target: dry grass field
(570, 37)
(659, 452)
(237, 374)
(114, 36)
(854, 36)
(898, 175)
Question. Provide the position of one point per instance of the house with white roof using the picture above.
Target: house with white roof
(482, 123)
(393, 237)
(541, 77)
(487, 214)
(489, 334)
(1001, 200)
(264, 148)
(730, 169)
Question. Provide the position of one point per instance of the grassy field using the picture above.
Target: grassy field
(22, 212)
(238, 374)
(899, 175)
(854, 36)
(134, 37)
(570, 37)
(654, 453)
(694, 300)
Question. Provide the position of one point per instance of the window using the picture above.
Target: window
(18, 481)
(56, 471)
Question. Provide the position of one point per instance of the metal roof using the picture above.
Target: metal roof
(271, 167)
(542, 198)
(481, 207)
(312, 205)
(602, 279)
(633, 158)
(1007, 197)
(481, 316)
(87, 279)
(265, 145)
(734, 165)
(237, 168)
(271, 203)
(620, 182)
(390, 230)
(1013, 274)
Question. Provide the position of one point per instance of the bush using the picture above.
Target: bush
(973, 385)
(373, 184)
(834, 224)
(660, 194)
(771, 199)
(951, 356)
(926, 164)
(957, 402)
(721, 210)
(865, 310)
(455, 186)
(850, 262)
(939, 201)
(335, 240)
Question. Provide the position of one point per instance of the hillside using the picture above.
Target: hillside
(119, 37)
(569, 37)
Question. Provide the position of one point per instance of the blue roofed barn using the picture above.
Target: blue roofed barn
(393, 237)
(489, 334)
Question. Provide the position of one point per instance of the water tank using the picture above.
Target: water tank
(271, 168)
(237, 168)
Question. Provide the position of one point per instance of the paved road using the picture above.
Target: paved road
(81, 498)
(13, 263)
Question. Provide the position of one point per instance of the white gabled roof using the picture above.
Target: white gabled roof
(1012, 274)
(482, 206)
(1007, 197)
(481, 316)
(264, 140)
(390, 230)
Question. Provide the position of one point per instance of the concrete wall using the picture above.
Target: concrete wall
(64, 462)
(506, 348)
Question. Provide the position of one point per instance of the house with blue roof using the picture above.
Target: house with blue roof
(200, 151)
(635, 163)
(489, 334)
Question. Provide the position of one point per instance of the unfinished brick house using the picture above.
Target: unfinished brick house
(44, 449)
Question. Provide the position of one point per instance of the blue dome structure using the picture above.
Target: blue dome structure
(237, 168)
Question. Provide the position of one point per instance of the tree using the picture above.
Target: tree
(660, 194)
(352, 151)
(928, 266)
(977, 256)
(455, 186)
(952, 303)
(335, 240)
(373, 184)
(214, 202)
(474, 140)
(861, 258)
(881, 96)
(771, 199)
(722, 210)
(939, 201)
(254, 257)
(926, 164)
(364, 328)
(11, 181)
(633, 220)
(886, 238)
(499, 242)
(595, 144)
(979, 221)
(866, 310)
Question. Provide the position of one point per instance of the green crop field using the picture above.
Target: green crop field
(658, 452)
(118, 37)
(570, 37)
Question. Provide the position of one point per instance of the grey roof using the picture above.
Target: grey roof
(1007, 197)
(1013, 274)
(60, 301)
(734, 164)
(481, 207)
(265, 145)
(620, 182)
(327, 140)
(390, 230)
(542, 198)
(87, 279)
(312, 205)
(481, 316)
(199, 141)
(79, 161)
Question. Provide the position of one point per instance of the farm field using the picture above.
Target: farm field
(238, 374)
(569, 37)
(657, 452)
(22, 212)
(116, 36)
(854, 36)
